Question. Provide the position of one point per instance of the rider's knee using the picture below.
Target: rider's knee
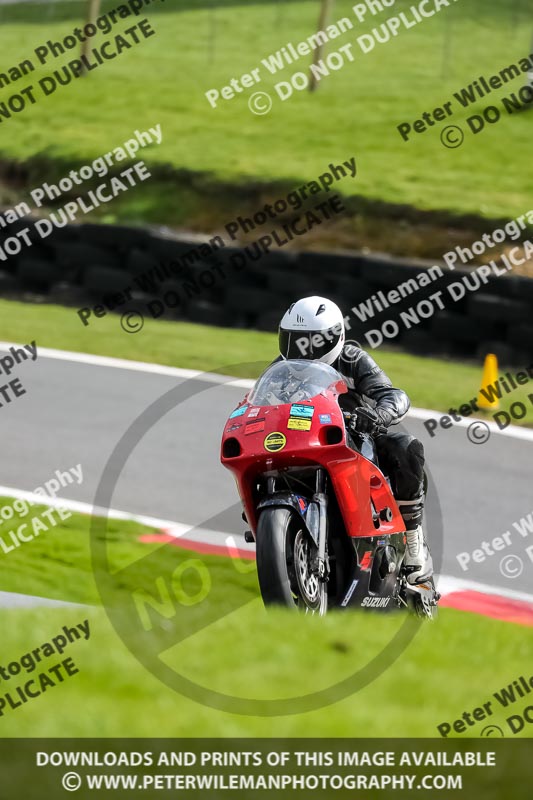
(415, 455)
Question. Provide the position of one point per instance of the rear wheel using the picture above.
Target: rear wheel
(287, 563)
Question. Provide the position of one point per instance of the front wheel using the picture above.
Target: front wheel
(287, 564)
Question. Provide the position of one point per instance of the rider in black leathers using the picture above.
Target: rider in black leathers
(313, 328)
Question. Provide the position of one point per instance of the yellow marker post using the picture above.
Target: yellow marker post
(489, 392)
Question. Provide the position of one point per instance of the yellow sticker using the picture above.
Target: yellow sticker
(295, 424)
(274, 442)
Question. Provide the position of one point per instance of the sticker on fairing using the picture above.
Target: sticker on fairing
(238, 412)
(348, 597)
(299, 410)
(254, 427)
(325, 419)
(299, 424)
(234, 427)
(274, 442)
(366, 561)
(253, 412)
(302, 502)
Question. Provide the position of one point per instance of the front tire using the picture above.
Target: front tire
(285, 563)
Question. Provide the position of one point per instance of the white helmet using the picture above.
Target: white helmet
(312, 328)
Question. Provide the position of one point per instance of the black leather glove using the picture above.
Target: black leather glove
(367, 420)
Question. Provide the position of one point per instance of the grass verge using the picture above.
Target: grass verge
(234, 647)
(355, 111)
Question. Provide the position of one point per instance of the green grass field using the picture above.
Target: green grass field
(429, 382)
(227, 643)
(354, 113)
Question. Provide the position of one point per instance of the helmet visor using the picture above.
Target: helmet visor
(308, 344)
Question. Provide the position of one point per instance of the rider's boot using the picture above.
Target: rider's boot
(417, 564)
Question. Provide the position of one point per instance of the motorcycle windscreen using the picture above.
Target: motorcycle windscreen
(294, 380)
(308, 344)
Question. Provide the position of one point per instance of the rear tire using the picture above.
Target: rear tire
(281, 567)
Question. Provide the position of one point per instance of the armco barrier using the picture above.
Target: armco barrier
(79, 264)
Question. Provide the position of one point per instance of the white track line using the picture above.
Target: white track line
(137, 366)
(174, 528)
(512, 431)
(447, 584)
(16, 600)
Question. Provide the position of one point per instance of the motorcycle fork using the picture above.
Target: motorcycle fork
(321, 499)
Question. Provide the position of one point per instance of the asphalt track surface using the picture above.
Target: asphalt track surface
(76, 413)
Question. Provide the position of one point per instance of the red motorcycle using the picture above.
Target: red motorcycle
(327, 529)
